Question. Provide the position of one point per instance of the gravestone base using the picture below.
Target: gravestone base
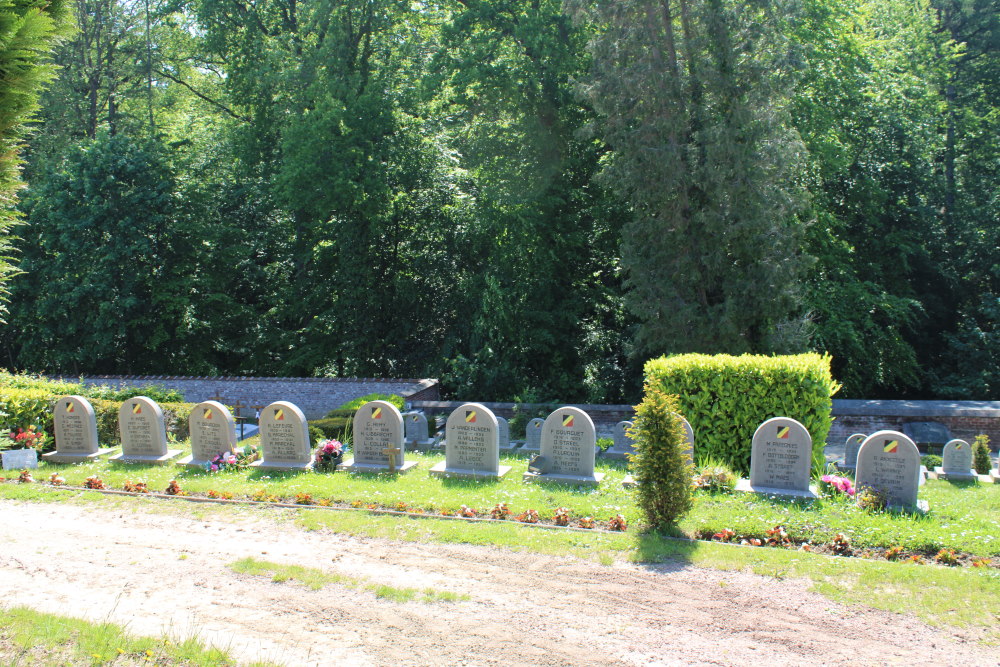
(616, 455)
(922, 507)
(744, 486)
(150, 460)
(56, 457)
(956, 476)
(442, 470)
(995, 476)
(573, 480)
(529, 450)
(629, 482)
(351, 466)
(192, 462)
(421, 445)
(510, 448)
(282, 465)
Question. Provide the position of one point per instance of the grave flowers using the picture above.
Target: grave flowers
(839, 485)
(29, 438)
(222, 461)
(329, 455)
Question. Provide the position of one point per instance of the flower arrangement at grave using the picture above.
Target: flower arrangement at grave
(618, 523)
(500, 512)
(777, 537)
(894, 553)
(838, 486)
(94, 482)
(946, 557)
(29, 438)
(586, 522)
(224, 461)
(55, 479)
(173, 488)
(135, 487)
(304, 499)
(329, 455)
(872, 499)
(841, 545)
(528, 516)
(25, 477)
(468, 512)
(561, 516)
(724, 535)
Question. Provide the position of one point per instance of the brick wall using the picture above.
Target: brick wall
(314, 396)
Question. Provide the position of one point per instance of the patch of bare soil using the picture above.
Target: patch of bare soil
(127, 566)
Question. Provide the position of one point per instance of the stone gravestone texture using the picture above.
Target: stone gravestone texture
(472, 444)
(995, 474)
(567, 449)
(889, 461)
(780, 459)
(284, 438)
(143, 433)
(76, 431)
(416, 431)
(19, 459)
(378, 426)
(956, 462)
(622, 442)
(504, 435)
(851, 447)
(533, 436)
(213, 432)
(929, 434)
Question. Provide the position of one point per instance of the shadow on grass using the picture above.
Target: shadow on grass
(459, 483)
(274, 475)
(665, 550)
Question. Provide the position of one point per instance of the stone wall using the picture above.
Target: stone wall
(314, 396)
(603, 416)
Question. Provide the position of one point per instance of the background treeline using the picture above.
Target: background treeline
(526, 198)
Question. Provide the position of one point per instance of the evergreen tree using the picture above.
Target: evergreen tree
(693, 95)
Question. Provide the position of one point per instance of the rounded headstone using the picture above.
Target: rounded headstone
(957, 457)
(140, 424)
(213, 431)
(568, 440)
(284, 435)
(378, 425)
(851, 447)
(473, 437)
(889, 461)
(781, 455)
(75, 425)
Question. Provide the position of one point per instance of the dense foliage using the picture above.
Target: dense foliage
(725, 398)
(660, 466)
(525, 199)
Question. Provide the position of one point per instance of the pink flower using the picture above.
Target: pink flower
(214, 468)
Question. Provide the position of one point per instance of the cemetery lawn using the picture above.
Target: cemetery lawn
(35, 638)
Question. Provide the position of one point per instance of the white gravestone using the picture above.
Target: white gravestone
(378, 426)
(956, 462)
(416, 431)
(504, 435)
(213, 432)
(851, 447)
(76, 432)
(623, 443)
(19, 459)
(889, 461)
(567, 449)
(995, 474)
(780, 460)
(143, 433)
(284, 438)
(473, 445)
(533, 436)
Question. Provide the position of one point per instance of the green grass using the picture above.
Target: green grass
(29, 637)
(316, 579)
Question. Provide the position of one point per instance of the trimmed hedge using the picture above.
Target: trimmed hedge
(725, 398)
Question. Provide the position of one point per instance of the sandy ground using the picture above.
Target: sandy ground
(159, 573)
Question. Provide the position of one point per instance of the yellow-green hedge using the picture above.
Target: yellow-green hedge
(726, 398)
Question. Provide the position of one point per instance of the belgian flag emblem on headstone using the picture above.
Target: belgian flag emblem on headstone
(470, 416)
(958, 446)
(279, 414)
(567, 421)
(783, 432)
(69, 406)
(891, 446)
(137, 408)
(207, 414)
(376, 413)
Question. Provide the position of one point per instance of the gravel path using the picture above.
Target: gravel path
(159, 573)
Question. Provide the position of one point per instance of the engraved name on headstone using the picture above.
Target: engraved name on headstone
(284, 438)
(889, 462)
(851, 447)
(76, 431)
(378, 430)
(213, 432)
(780, 459)
(472, 444)
(568, 441)
(143, 433)
(956, 462)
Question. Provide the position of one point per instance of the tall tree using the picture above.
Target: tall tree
(693, 95)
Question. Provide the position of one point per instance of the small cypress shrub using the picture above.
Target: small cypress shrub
(981, 454)
(662, 472)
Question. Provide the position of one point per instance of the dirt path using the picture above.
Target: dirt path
(127, 566)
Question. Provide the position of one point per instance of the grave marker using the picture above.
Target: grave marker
(504, 435)
(780, 460)
(567, 448)
(533, 436)
(956, 462)
(213, 432)
(416, 431)
(76, 432)
(472, 445)
(284, 438)
(889, 461)
(378, 440)
(19, 459)
(623, 443)
(143, 433)
(851, 447)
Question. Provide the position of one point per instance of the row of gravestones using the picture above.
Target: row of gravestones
(567, 439)
(956, 460)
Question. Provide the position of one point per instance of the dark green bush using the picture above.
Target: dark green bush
(725, 398)
(930, 461)
(335, 428)
(662, 472)
(358, 402)
(156, 392)
(981, 454)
